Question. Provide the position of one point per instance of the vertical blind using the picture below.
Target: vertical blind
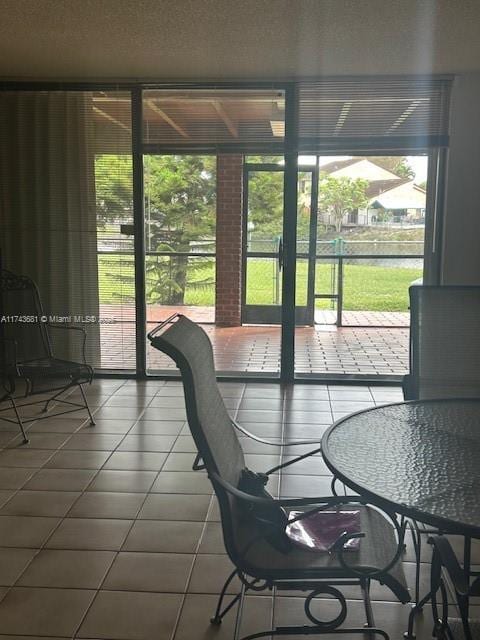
(65, 192)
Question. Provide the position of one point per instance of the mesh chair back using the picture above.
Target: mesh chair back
(215, 437)
(21, 310)
(445, 341)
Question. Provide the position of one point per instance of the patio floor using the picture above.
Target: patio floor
(378, 347)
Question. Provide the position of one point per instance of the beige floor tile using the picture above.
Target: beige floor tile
(93, 442)
(5, 496)
(12, 478)
(209, 574)
(212, 539)
(136, 461)
(162, 572)
(102, 425)
(156, 413)
(169, 537)
(140, 442)
(175, 507)
(199, 608)
(184, 444)
(182, 482)
(12, 563)
(60, 480)
(101, 534)
(24, 531)
(50, 612)
(24, 457)
(55, 425)
(131, 481)
(67, 569)
(123, 615)
(121, 413)
(41, 441)
(180, 462)
(40, 503)
(95, 504)
(158, 427)
(78, 459)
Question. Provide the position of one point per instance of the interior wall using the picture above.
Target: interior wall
(461, 252)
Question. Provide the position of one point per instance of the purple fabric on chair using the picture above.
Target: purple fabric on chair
(320, 531)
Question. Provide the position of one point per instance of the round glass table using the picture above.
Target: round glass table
(419, 458)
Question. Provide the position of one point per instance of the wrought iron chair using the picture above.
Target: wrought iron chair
(446, 575)
(444, 360)
(27, 356)
(248, 536)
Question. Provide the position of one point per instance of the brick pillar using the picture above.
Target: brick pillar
(228, 288)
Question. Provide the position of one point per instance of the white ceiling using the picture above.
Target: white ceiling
(236, 39)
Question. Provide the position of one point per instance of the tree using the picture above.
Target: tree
(339, 196)
(180, 212)
(113, 187)
(396, 164)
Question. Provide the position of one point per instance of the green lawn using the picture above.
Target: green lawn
(370, 288)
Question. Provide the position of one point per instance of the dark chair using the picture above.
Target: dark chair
(444, 358)
(447, 575)
(30, 363)
(247, 524)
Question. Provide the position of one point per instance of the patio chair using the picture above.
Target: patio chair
(444, 344)
(30, 362)
(444, 358)
(254, 523)
(446, 576)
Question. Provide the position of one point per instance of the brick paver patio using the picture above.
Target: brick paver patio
(324, 348)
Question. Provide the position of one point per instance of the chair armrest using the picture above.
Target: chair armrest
(290, 462)
(327, 501)
(444, 554)
(249, 434)
(80, 332)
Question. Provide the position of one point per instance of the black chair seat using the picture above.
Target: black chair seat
(52, 373)
(375, 551)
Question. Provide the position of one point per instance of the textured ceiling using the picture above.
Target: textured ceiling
(234, 39)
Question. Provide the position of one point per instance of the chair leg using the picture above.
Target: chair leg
(19, 420)
(92, 421)
(417, 545)
(47, 402)
(219, 614)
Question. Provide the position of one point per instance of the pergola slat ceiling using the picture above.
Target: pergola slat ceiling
(329, 111)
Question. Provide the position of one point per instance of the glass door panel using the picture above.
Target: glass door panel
(369, 249)
(180, 221)
(263, 211)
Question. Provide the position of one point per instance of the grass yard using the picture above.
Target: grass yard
(366, 288)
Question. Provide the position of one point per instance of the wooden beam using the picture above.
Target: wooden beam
(167, 119)
(225, 117)
(110, 118)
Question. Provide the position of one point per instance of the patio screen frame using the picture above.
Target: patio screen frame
(290, 148)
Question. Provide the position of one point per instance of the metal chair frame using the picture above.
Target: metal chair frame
(412, 391)
(445, 567)
(12, 365)
(318, 581)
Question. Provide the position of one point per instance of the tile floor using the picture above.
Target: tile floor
(107, 533)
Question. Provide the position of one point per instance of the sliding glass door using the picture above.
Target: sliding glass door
(262, 211)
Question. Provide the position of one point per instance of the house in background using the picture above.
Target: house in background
(392, 199)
